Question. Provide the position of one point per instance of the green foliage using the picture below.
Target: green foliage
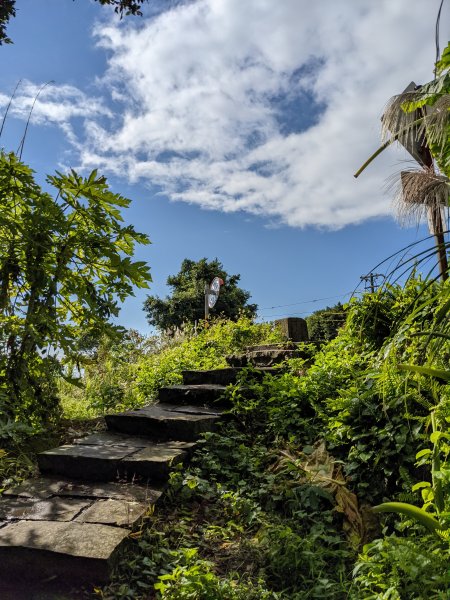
(64, 265)
(396, 568)
(193, 579)
(122, 7)
(7, 11)
(371, 318)
(109, 376)
(324, 324)
(15, 466)
(186, 304)
(125, 7)
(436, 122)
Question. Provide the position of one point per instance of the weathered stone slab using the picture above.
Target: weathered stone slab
(36, 488)
(94, 463)
(45, 487)
(53, 509)
(193, 410)
(187, 446)
(75, 539)
(110, 438)
(153, 463)
(164, 421)
(225, 376)
(263, 358)
(116, 491)
(294, 328)
(113, 512)
(197, 395)
(47, 549)
(222, 377)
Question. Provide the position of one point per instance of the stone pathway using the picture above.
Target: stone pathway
(70, 524)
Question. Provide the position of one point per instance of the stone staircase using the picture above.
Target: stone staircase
(70, 524)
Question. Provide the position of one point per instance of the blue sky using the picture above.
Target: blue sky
(234, 127)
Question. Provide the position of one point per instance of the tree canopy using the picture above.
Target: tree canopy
(324, 324)
(122, 7)
(64, 266)
(186, 304)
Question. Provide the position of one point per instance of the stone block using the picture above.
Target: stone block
(196, 394)
(163, 422)
(294, 328)
(120, 513)
(53, 509)
(83, 552)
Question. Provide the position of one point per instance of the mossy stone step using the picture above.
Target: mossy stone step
(224, 376)
(263, 358)
(166, 421)
(205, 395)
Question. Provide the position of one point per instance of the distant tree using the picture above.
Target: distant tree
(7, 11)
(324, 324)
(122, 7)
(186, 304)
(65, 264)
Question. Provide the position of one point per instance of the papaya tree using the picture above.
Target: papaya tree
(65, 267)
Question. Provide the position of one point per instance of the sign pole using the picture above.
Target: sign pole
(206, 301)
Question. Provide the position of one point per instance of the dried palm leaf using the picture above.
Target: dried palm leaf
(320, 469)
(436, 123)
(396, 120)
(416, 191)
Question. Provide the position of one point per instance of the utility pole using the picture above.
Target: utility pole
(370, 281)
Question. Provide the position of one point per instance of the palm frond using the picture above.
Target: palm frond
(417, 190)
(436, 122)
(395, 119)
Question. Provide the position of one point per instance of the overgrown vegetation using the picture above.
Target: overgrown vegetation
(330, 480)
(324, 324)
(129, 371)
(276, 504)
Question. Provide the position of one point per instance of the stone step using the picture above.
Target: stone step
(262, 358)
(272, 347)
(44, 488)
(100, 457)
(166, 421)
(65, 531)
(225, 376)
(80, 551)
(199, 395)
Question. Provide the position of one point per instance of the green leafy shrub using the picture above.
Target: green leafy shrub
(194, 579)
(398, 568)
(324, 324)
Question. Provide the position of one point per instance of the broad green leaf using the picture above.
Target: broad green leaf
(431, 372)
(411, 511)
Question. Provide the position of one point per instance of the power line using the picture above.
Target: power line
(293, 314)
(307, 301)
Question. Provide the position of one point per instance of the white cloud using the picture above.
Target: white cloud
(201, 87)
(53, 104)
